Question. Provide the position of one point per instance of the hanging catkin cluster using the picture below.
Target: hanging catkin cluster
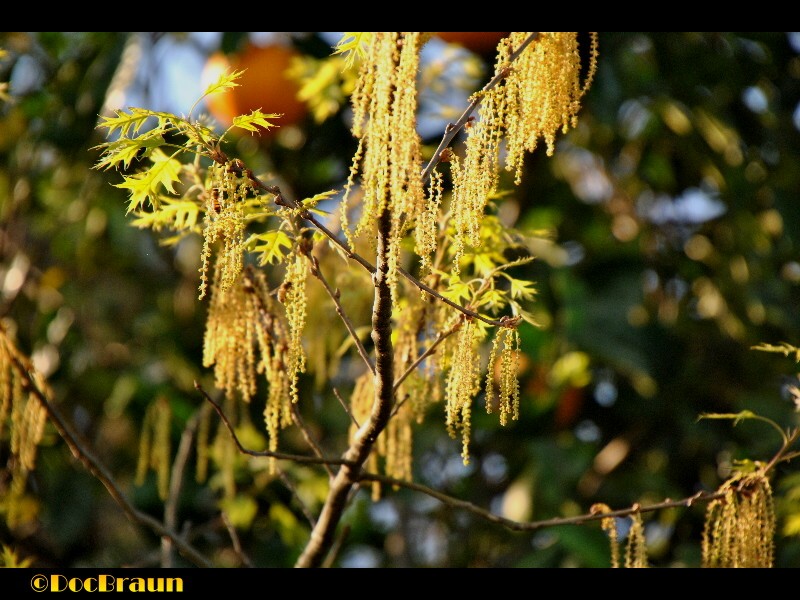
(24, 415)
(246, 336)
(539, 96)
(740, 527)
(635, 549)
(503, 367)
(463, 382)
(224, 223)
(155, 448)
(388, 156)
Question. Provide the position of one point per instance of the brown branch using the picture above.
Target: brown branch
(87, 458)
(293, 490)
(337, 547)
(298, 420)
(346, 408)
(175, 485)
(238, 167)
(452, 129)
(298, 458)
(431, 349)
(335, 295)
(322, 536)
(534, 525)
(237, 544)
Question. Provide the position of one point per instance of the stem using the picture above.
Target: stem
(175, 485)
(298, 458)
(335, 294)
(92, 464)
(322, 536)
(452, 129)
(534, 525)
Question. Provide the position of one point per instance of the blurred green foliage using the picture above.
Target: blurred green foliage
(673, 228)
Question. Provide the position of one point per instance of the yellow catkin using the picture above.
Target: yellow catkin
(739, 528)
(609, 525)
(504, 367)
(294, 302)
(388, 155)
(224, 224)
(539, 97)
(23, 416)
(462, 384)
(246, 336)
(155, 446)
(425, 234)
(636, 548)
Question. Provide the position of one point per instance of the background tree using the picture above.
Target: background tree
(670, 252)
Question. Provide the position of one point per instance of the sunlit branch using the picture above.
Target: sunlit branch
(80, 451)
(452, 129)
(298, 458)
(335, 295)
(534, 525)
(301, 425)
(346, 408)
(293, 490)
(237, 544)
(238, 167)
(443, 335)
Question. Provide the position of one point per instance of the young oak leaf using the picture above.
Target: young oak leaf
(124, 150)
(176, 214)
(353, 44)
(270, 245)
(255, 120)
(145, 186)
(225, 82)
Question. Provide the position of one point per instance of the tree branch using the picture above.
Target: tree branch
(322, 536)
(175, 485)
(534, 525)
(346, 408)
(298, 458)
(86, 457)
(335, 294)
(452, 129)
(298, 420)
(237, 544)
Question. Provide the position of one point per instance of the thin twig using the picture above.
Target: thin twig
(335, 295)
(81, 452)
(534, 525)
(431, 349)
(175, 485)
(291, 487)
(452, 129)
(346, 408)
(237, 544)
(323, 535)
(238, 167)
(337, 547)
(298, 420)
(298, 458)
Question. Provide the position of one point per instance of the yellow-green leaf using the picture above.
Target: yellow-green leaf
(312, 202)
(177, 214)
(271, 245)
(353, 44)
(124, 150)
(225, 82)
(143, 186)
(255, 120)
